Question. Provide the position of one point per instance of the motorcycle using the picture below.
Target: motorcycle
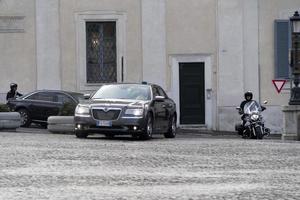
(253, 123)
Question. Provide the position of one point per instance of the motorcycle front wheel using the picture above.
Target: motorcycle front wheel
(259, 132)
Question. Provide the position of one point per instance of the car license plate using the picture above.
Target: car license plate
(103, 123)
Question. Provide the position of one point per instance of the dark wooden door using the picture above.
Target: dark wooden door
(192, 94)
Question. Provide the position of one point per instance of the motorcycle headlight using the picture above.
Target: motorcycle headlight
(254, 117)
(82, 110)
(134, 112)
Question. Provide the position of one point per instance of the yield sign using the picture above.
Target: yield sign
(279, 84)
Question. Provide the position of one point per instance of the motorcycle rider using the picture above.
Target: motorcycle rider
(13, 93)
(248, 97)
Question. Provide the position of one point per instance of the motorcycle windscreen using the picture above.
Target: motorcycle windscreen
(252, 106)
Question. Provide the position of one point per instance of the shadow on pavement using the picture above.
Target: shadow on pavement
(181, 133)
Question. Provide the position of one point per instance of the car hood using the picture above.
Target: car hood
(114, 102)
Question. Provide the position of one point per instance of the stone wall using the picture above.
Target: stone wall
(237, 57)
(2, 97)
(17, 44)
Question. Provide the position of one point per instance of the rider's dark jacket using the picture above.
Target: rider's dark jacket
(12, 94)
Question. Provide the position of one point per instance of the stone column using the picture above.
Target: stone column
(154, 41)
(238, 69)
(48, 44)
(238, 53)
(291, 122)
(250, 47)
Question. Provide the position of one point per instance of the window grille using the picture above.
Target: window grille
(101, 56)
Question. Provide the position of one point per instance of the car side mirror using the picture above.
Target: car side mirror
(159, 98)
(87, 96)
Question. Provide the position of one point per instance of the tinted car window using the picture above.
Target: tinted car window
(161, 92)
(78, 96)
(155, 91)
(62, 98)
(42, 96)
(130, 91)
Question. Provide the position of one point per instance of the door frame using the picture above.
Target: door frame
(187, 58)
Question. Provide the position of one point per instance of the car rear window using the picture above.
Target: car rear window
(62, 98)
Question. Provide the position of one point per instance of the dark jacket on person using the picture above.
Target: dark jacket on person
(12, 94)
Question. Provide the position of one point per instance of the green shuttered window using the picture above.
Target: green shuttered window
(282, 44)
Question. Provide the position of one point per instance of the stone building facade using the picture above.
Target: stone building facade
(78, 45)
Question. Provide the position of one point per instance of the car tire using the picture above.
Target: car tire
(25, 117)
(171, 133)
(80, 134)
(148, 130)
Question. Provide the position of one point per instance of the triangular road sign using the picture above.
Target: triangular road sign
(279, 84)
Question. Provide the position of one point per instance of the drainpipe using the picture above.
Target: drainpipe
(258, 45)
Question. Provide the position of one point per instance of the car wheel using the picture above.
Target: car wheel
(171, 133)
(25, 117)
(147, 133)
(80, 134)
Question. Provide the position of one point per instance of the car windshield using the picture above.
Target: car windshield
(123, 91)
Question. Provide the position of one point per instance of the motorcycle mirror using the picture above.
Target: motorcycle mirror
(265, 102)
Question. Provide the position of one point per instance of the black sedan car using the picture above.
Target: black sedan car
(37, 106)
(136, 109)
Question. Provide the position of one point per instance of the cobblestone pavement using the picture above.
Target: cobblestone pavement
(52, 166)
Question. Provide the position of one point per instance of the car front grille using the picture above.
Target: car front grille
(106, 114)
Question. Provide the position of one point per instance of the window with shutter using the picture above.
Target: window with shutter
(281, 45)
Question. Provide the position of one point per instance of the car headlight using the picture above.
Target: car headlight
(254, 117)
(82, 110)
(134, 112)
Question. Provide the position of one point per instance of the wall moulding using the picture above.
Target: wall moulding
(98, 16)
(12, 24)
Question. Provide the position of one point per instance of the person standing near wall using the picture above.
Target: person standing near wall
(13, 93)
